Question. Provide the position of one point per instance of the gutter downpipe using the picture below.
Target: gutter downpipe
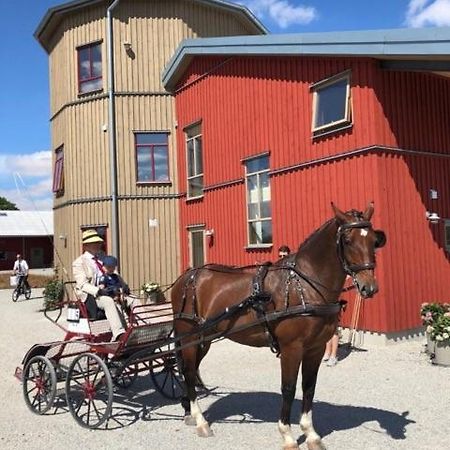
(112, 136)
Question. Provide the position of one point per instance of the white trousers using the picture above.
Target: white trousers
(112, 314)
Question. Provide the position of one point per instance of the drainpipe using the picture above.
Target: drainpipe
(112, 136)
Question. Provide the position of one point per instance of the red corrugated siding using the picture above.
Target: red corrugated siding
(251, 105)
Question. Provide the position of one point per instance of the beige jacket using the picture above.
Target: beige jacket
(84, 275)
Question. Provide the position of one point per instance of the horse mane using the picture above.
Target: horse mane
(353, 212)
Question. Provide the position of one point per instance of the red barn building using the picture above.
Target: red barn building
(271, 129)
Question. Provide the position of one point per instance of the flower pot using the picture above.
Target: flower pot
(442, 353)
(430, 343)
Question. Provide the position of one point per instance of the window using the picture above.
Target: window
(259, 216)
(447, 234)
(89, 68)
(194, 161)
(152, 161)
(197, 246)
(58, 172)
(331, 103)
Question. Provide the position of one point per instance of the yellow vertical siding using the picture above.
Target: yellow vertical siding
(154, 29)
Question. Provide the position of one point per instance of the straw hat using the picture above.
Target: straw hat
(91, 236)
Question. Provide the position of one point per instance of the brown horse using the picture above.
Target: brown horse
(292, 307)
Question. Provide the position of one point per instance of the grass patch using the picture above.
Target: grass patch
(35, 281)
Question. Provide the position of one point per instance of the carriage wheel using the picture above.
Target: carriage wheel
(15, 295)
(166, 375)
(39, 384)
(127, 377)
(89, 390)
(28, 293)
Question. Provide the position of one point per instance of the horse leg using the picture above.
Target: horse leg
(290, 363)
(193, 413)
(310, 367)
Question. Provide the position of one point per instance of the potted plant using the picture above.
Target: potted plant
(429, 313)
(152, 292)
(53, 294)
(436, 317)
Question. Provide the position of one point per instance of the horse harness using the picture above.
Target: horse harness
(259, 299)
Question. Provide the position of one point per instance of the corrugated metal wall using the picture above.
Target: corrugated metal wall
(154, 30)
(255, 104)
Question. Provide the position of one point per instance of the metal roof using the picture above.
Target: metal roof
(402, 49)
(57, 12)
(26, 223)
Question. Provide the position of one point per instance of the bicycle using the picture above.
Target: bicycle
(21, 290)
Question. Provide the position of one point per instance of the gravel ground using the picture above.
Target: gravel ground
(383, 398)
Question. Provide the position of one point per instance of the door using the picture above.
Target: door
(197, 246)
(37, 257)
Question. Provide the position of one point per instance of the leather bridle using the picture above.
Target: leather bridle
(351, 269)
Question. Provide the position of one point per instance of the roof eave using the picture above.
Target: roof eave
(400, 43)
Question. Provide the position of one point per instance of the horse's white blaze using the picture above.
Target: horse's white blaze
(307, 427)
(196, 413)
(286, 434)
(364, 232)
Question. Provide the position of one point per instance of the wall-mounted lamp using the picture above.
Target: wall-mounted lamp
(63, 237)
(127, 46)
(432, 217)
(209, 232)
(433, 194)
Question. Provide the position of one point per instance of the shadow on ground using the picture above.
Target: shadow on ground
(328, 417)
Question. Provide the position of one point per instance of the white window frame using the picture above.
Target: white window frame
(447, 234)
(316, 88)
(260, 219)
(194, 138)
(191, 230)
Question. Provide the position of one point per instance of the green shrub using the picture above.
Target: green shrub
(53, 294)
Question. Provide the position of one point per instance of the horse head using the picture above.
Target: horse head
(357, 242)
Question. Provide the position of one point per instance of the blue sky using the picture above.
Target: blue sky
(25, 148)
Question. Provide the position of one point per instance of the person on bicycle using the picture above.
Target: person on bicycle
(20, 269)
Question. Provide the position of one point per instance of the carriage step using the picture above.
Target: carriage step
(19, 373)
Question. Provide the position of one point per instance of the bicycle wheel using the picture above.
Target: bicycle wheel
(27, 293)
(15, 295)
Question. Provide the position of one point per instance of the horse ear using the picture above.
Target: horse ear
(340, 216)
(367, 215)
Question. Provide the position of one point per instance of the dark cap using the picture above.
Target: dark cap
(109, 260)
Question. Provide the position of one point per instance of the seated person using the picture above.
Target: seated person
(112, 282)
(87, 270)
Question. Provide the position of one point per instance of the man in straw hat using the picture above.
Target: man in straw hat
(87, 270)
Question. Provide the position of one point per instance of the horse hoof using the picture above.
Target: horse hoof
(290, 447)
(190, 421)
(204, 430)
(316, 445)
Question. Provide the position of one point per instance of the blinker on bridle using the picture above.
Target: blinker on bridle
(351, 269)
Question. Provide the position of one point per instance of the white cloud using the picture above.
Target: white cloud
(29, 180)
(428, 12)
(283, 12)
(36, 164)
